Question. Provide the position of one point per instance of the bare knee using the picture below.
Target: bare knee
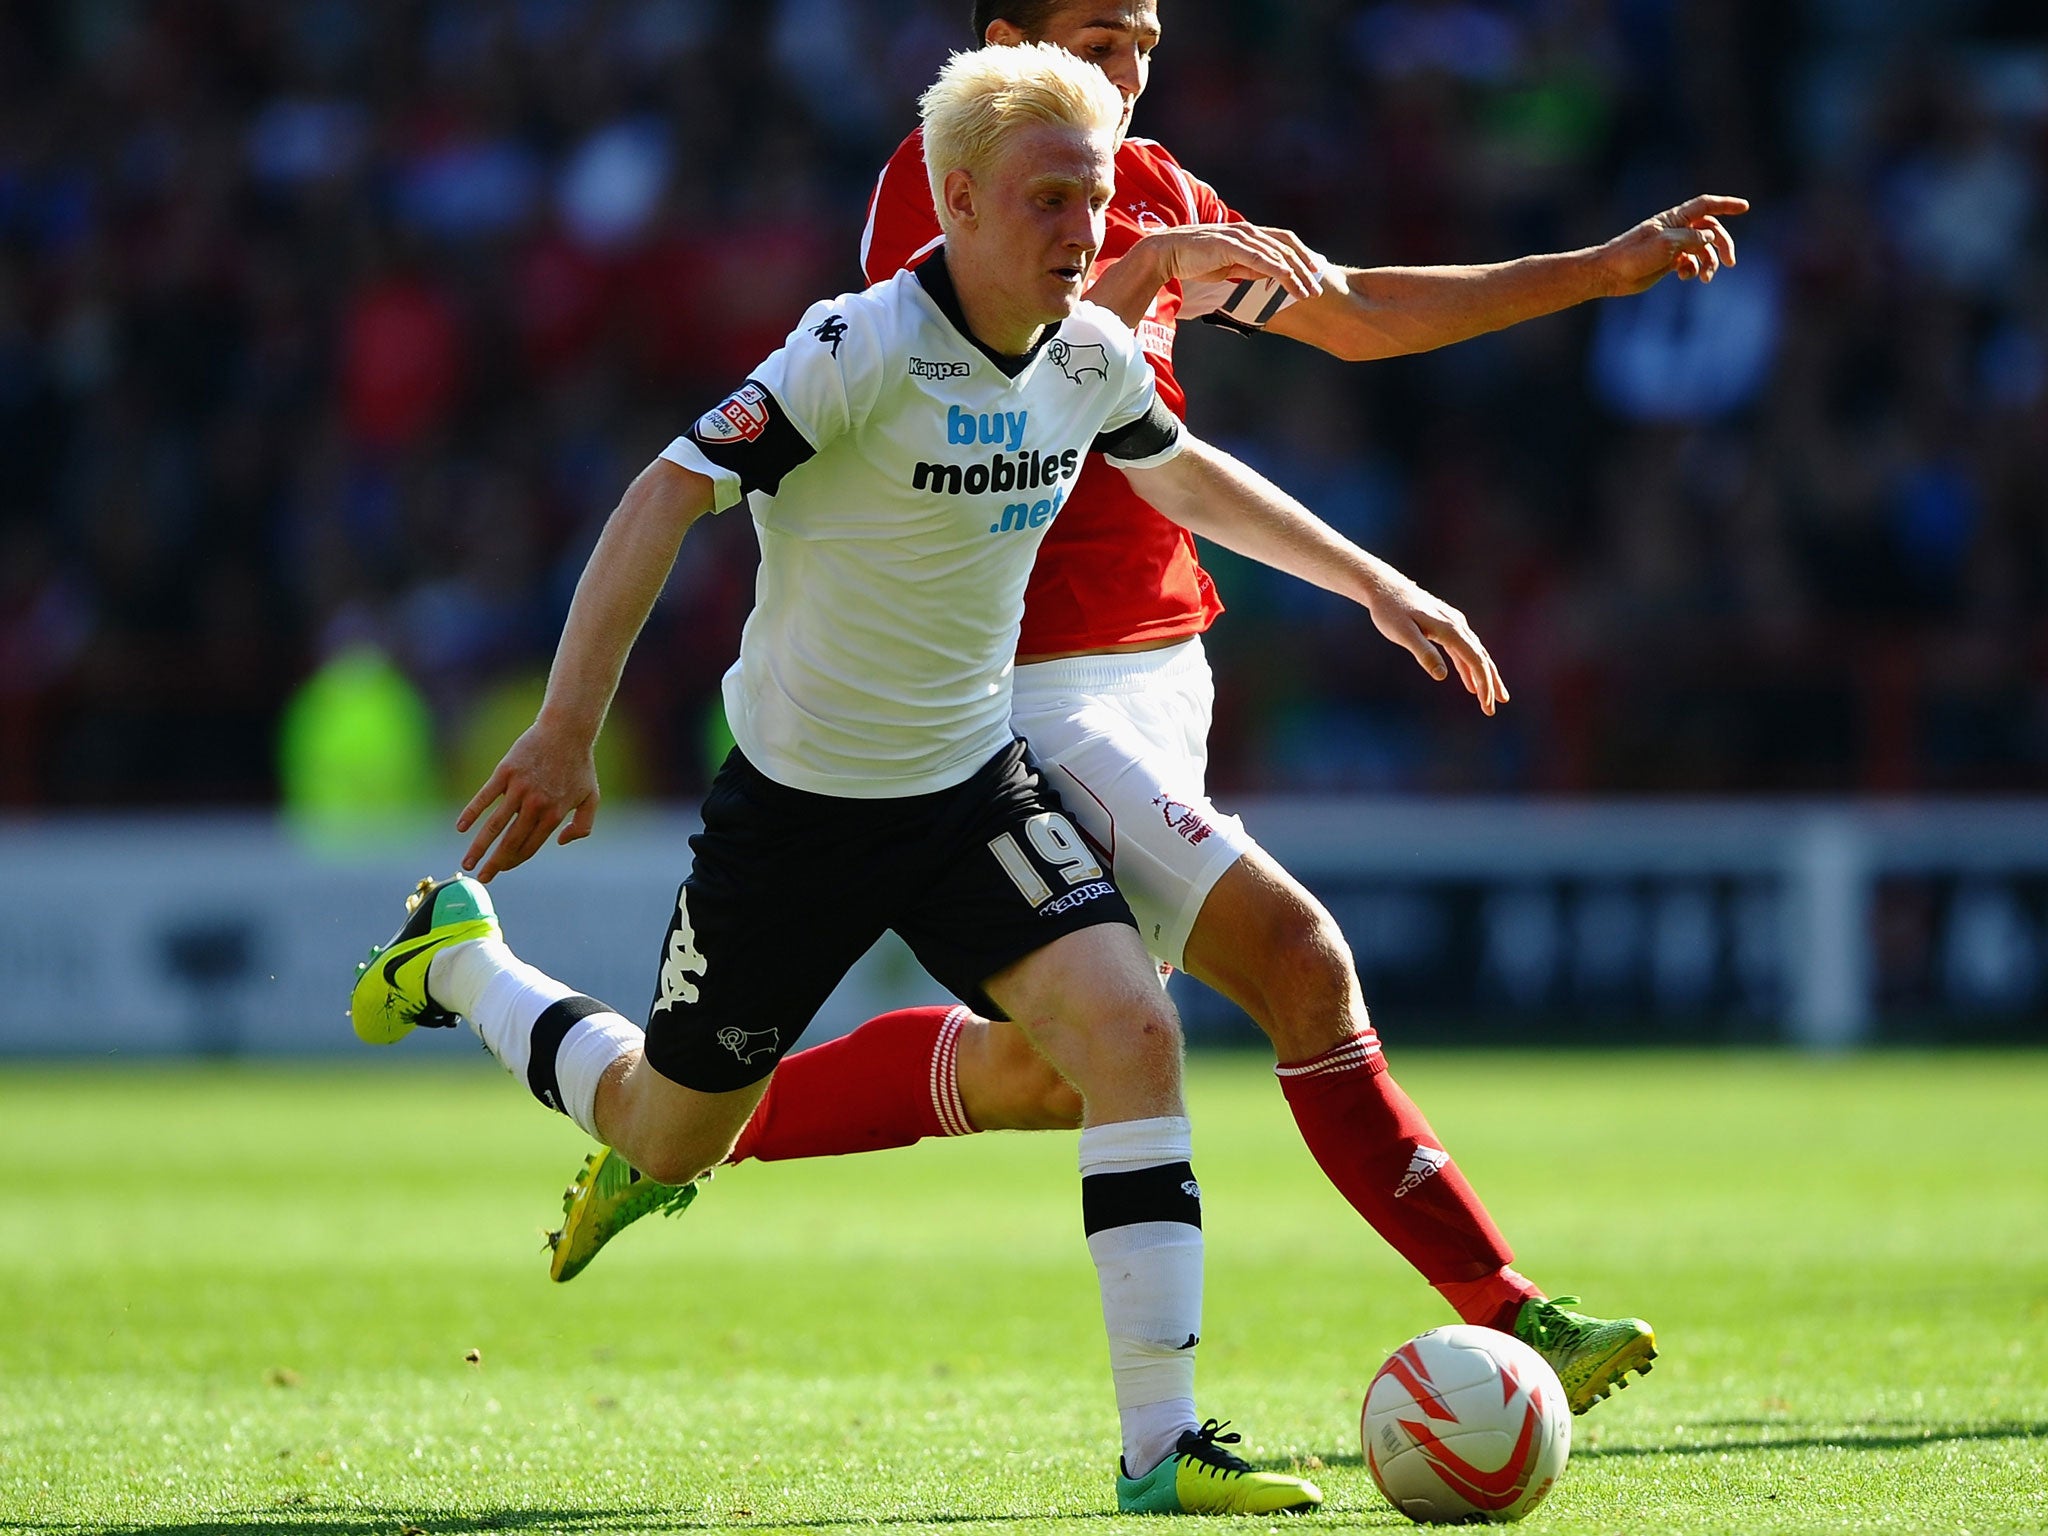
(1005, 1085)
(670, 1163)
(1091, 1003)
(1272, 949)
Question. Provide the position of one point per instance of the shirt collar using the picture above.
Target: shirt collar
(937, 280)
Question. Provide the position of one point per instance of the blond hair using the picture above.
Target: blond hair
(981, 97)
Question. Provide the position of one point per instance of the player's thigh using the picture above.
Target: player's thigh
(1129, 774)
(1014, 876)
(1091, 1004)
(779, 904)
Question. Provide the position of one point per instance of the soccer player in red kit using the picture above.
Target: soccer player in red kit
(1114, 695)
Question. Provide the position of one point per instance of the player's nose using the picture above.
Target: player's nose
(1126, 71)
(1083, 232)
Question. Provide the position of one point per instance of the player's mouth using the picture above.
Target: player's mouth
(1070, 276)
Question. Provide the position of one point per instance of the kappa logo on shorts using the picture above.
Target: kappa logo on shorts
(746, 1044)
(1184, 819)
(683, 961)
(742, 415)
(1076, 897)
(1077, 361)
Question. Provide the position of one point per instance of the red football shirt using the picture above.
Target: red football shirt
(1111, 569)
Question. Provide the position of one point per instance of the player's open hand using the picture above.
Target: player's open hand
(1235, 253)
(1689, 240)
(1419, 622)
(545, 779)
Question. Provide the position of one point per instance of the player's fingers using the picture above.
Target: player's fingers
(1286, 261)
(529, 829)
(494, 786)
(1282, 247)
(581, 823)
(487, 834)
(1474, 664)
(1472, 669)
(1707, 205)
(1723, 241)
(1406, 633)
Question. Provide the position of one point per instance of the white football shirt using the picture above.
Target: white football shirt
(901, 477)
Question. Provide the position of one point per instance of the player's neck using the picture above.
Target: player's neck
(984, 311)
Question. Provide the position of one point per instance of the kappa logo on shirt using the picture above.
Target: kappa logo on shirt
(920, 369)
(831, 331)
(742, 416)
(1078, 360)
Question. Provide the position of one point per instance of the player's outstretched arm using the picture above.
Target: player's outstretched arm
(1210, 493)
(548, 776)
(1367, 313)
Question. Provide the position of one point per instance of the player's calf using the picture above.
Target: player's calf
(1006, 1085)
(668, 1132)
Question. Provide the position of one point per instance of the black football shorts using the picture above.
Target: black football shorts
(787, 889)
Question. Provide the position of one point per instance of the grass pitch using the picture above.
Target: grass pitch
(239, 1298)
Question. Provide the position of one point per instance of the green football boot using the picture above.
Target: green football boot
(608, 1196)
(390, 997)
(1201, 1478)
(1591, 1355)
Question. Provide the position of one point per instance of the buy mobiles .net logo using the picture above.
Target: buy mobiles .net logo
(1012, 469)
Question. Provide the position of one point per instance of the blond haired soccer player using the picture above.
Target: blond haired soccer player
(877, 783)
(1114, 695)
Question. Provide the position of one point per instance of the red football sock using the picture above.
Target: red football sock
(1494, 1302)
(1377, 1148)
(889, 1083)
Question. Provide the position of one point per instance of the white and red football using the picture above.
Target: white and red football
(1464, 1423)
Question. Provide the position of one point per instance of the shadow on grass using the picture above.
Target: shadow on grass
(314, 1520)
(1796, 1437)
(1872, 1437)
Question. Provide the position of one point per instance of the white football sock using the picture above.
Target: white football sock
(586, 1054)
(504, 998)
(1143, 1213)
(499, 993)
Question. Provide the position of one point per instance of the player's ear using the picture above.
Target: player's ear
(1003, 34)
(960, 190)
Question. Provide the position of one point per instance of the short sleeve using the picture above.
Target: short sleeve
(1140, 431)
(902, 226)
(818, 386)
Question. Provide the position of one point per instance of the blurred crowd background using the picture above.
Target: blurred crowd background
(330, 331)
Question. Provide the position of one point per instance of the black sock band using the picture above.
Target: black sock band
(545, 1040)
(1165, 1193)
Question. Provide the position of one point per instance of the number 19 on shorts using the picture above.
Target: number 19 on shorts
(1054, 840)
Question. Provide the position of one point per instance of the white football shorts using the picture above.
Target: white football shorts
(1125, 740)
